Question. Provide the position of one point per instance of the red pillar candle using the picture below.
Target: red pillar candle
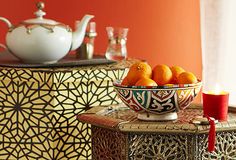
(216, 105)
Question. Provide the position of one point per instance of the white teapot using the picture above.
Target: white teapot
(41, 40)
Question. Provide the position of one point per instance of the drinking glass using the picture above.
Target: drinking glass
(117, 38)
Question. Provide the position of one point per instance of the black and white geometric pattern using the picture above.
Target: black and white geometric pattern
(38, 109)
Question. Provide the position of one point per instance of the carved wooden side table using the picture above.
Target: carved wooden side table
(39, 104)
(118, 135)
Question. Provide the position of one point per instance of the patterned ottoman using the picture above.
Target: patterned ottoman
(39, 107)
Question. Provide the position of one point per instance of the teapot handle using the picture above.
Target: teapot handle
(3, 46)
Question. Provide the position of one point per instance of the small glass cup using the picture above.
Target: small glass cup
(117, 38)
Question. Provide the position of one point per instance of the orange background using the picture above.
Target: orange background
(161, 31)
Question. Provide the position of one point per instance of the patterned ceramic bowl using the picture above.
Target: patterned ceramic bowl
(159, 102)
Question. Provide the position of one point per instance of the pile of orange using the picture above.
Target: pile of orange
(141, 74)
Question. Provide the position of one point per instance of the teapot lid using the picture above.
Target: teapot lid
(39, 16)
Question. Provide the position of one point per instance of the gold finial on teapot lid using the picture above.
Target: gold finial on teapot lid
(40, 13)
(40, 5)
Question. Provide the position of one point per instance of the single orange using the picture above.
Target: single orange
(176, 71)
(187, 78)
(162, 74)
(145, 82)
(125, 81)
(169, 85)
(138, 71)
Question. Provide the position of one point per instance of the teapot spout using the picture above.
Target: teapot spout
(6, 21)
(78, 35)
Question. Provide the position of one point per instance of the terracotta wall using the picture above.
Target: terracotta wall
(161, 31)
